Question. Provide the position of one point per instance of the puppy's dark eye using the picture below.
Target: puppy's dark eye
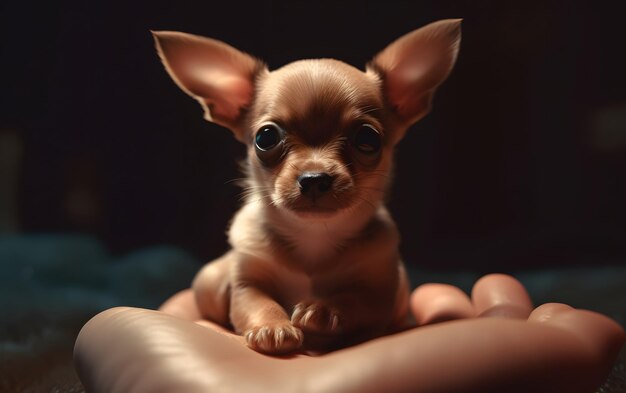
(267, 137)
(367, 140)
(269, 144)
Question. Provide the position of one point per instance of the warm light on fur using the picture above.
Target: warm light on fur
(315, 253)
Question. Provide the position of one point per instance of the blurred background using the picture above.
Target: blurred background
(114, 190)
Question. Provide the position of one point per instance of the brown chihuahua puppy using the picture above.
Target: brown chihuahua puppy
(314, 260)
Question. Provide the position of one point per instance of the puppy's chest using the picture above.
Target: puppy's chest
(298, 283)
(293, 286)
(315, 244)
(314, 247)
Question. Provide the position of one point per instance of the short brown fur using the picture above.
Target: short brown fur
(314, 261)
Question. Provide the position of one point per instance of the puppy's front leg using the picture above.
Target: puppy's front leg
(263, 322)
(344, 313)
(211, 288)
(259, 317)
(359, 311)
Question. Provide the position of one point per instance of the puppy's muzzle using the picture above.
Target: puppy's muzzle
(315, 184)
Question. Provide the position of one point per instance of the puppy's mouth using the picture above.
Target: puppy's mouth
(314, 211)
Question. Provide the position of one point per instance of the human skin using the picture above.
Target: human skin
(493, 341)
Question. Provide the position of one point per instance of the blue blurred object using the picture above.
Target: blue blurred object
(58, 275)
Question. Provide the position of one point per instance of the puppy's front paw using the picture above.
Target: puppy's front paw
(315, 316)
(274, 339)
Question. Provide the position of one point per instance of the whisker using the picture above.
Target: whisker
(344, 165)
(262, 192)
(367, 201)
(292, 165)
(238, 179)
(381, 190)
(372, 174)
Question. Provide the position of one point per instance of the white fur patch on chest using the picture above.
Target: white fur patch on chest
(314, 242)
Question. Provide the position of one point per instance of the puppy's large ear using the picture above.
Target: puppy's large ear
(414, 65)
(219, 76)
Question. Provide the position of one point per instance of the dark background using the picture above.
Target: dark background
(521, 164)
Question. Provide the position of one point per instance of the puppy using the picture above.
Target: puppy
(314, 261)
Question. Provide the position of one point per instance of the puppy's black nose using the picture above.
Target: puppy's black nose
(314, 184)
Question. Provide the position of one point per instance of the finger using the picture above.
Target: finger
(500, 295)
(547, 311)
(601, 336)
(182, 305)
(433, 303)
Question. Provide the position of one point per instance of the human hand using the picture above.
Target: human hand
(491, 342)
